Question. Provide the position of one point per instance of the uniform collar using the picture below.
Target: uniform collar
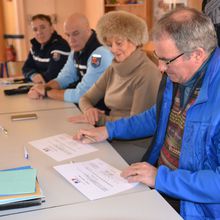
(52, 39)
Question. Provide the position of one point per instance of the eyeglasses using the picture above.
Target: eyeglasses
(168, 61)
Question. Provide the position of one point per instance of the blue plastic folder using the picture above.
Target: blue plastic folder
(17, 181)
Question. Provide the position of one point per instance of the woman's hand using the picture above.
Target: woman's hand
(141, 172)
(92, 115)
(91, 136)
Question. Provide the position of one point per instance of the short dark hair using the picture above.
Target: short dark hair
(42, 17)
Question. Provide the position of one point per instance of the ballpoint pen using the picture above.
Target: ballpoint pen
(90, 138)
(4, 130)
(26, 154)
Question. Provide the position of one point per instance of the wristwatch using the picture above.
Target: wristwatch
(46, 90)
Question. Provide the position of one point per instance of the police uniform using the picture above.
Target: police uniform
(48, 59)
(81, 57)
(83, 68)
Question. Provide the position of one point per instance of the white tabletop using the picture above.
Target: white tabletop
(21, 103)
(63, 201)
(146, 205)
(57, 190)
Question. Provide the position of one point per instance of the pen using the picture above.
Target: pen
(4, 130)
(90, 138)
(26, 155)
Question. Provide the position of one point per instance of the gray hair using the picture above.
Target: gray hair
(189, 28)
(123, 24)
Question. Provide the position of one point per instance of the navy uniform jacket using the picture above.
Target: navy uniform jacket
(47, 60)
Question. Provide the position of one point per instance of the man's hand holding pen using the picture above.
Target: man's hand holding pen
(91, 136)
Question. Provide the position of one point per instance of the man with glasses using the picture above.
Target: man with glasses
(183, 162)
(87, 61)
(165, 60)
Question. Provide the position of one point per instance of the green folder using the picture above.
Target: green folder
(14, 182)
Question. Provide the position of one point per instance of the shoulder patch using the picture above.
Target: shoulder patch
(56, 56)
(96, 60)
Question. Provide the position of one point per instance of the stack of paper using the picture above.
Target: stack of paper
(19, 188)
(94, 178)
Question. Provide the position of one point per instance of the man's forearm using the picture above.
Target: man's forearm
(56, 94)
(53, 84)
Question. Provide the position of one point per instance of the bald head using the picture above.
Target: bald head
(77, 30)
(77, 19)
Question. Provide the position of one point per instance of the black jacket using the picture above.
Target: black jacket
(47, 60)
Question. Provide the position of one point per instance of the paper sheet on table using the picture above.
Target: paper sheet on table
(13, 182)
(95, 178)
(62, 147)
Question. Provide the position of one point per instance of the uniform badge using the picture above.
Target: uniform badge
(96, 60)
(56, 56)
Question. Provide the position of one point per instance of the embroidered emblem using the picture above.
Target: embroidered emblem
(96, 60)
(56, 56)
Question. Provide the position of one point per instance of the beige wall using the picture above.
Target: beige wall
(195, 4)
(9, 16)
(94, 9)
(14, 24)
(64, 8)
(2, 42)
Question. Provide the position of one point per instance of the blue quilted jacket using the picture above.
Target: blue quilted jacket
(197, 181)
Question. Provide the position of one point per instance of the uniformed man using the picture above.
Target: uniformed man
(48, 53)
(85, 64)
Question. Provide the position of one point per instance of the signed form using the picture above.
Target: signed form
(61, 147)
(94, 178)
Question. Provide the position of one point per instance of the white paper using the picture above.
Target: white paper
(95, 178)
(61, 147)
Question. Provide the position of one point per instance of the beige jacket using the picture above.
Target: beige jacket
(128, 88)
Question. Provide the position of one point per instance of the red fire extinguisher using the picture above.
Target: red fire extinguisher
(10, 53)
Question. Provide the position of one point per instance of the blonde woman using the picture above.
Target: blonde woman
(130, 84)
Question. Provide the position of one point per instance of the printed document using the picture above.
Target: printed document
(62, 147)
(95, 178)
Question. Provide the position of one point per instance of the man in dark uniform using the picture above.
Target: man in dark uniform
(49, 51)
(87, 61)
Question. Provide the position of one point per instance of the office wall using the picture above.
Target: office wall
(14, 24)
(16, 16)
(64, 8)
(94, 9)
(195, 4)
(2, 42)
